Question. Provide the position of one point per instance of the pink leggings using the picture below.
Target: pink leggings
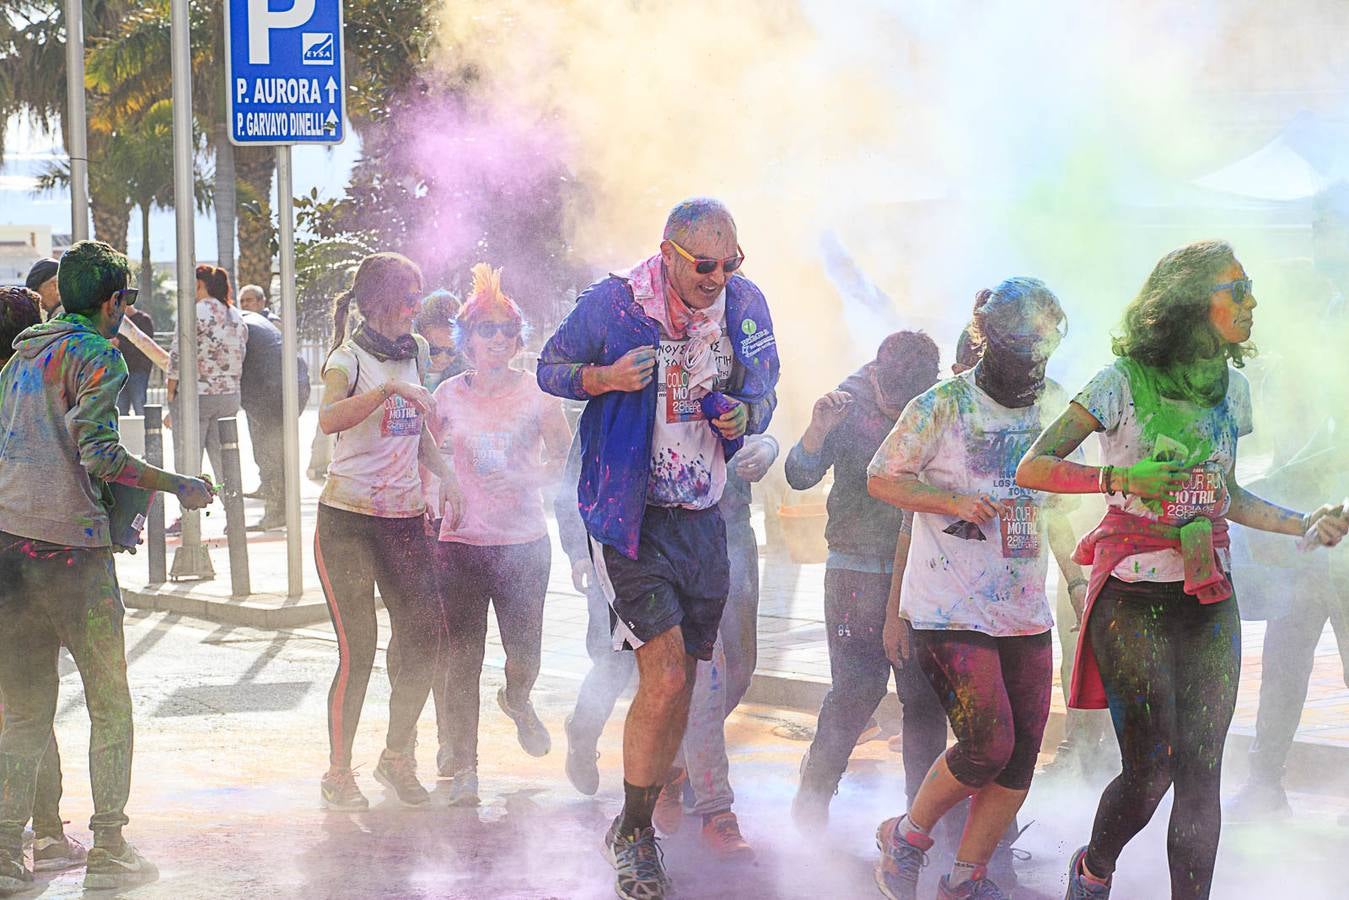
(996, 694)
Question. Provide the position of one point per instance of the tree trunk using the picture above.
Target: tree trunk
(254, 167)
(112, 216)
(224, 197)
(147, 287)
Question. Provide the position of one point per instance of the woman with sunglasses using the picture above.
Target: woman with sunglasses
(974, 584)
(508, 439)
(1161, 640)
(371, 521)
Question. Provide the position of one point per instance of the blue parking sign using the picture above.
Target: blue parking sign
(285, 71)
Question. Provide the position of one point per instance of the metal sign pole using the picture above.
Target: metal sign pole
(187, 562)
(75, 122)
(290, 371)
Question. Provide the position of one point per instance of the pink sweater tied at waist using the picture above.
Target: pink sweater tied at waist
(1121, 535)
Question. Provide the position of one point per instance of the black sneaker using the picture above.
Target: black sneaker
(398, 773)
(52, 854)
(110, 872)
(637, 863)
(340, 793)
(582, 771)
(530, 731)
(14, 875)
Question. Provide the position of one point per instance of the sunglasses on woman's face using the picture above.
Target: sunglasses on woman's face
(441, 351)
(705, 265)
(1241, 288)
(489, 330)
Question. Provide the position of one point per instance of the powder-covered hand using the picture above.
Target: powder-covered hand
(195, 493)
(1152, 480)
(976, 508)
(1330, 522)
(732, 424)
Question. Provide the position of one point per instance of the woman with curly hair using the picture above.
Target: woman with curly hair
(508, 440)
(1161, 643)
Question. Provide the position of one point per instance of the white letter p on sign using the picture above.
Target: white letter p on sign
(261, 22)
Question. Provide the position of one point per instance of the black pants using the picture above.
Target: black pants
(53, 597)
(355, 552)
(1170, 666)
(854, 616)
(1287, 657)
(266, 436)
(513, 579)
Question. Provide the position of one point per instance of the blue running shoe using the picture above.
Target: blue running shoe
(902, 859)
(1081, 887)
(980, 887)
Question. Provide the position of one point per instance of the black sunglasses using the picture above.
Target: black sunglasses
(1241, 289)
(127, 296)
(441, 351)
(491, 329)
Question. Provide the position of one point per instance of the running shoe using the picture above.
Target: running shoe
(14, 875)
(464, 788)
(398, 773)
(810, 806)
(445, 761)
(668, 816)
(340, 793)
(637, 863)
(721, 835)
(1258, 800)
(1079, 886)
(52, 854)
(902, 859)
(1002, 865)
(529, 730)
(108, 871)
(980, 887)
(582, 771)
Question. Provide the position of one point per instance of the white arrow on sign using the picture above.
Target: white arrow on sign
(330, 123)
(331, 88)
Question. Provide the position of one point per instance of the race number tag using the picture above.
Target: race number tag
(1203, 494)
(676, 403)
(401, 419)
(1019, 523)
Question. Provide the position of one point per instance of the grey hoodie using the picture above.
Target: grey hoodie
(58, 434)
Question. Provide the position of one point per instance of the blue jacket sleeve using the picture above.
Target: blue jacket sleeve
(578, 342)
(804, 470)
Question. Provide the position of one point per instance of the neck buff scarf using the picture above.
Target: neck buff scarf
(381, 347)
(1012, 378)
(678, 321)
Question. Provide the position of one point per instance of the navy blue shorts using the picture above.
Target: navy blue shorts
(681, 576)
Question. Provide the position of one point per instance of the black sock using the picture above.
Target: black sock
(638, 804)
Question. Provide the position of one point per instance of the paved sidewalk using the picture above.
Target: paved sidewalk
(793, 670)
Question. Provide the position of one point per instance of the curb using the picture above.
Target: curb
(260, 610)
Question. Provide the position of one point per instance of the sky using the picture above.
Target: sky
(29, 152)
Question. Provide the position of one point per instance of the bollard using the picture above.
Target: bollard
(233, 498)
(154, 529)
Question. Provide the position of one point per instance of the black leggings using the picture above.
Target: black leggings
(354, 552)
(1170, 666)
(513, 578)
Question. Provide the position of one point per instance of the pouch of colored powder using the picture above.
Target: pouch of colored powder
(715, 405)
(126, 514)
(965, 530)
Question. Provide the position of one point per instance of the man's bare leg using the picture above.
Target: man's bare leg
(655, 724)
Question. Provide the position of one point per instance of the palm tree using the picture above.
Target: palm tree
(33, 76)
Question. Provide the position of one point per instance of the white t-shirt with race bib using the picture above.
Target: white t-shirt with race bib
(374, 465)
(688, 465)
(961, 576)
(1109, 399)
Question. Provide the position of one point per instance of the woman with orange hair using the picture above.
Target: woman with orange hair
(507, 439)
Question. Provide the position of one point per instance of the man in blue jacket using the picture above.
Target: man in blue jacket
(678, 359)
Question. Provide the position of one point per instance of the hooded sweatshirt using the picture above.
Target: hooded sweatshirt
(861, 530)
(58, 433)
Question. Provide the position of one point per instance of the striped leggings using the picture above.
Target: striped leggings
(354, 553)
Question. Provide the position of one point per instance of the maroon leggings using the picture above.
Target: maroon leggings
(996, 693)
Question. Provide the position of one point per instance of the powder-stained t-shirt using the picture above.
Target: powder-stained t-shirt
(1110, 400)
(961, 576)
(498, 434)
(688, 465)
(374, 465)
